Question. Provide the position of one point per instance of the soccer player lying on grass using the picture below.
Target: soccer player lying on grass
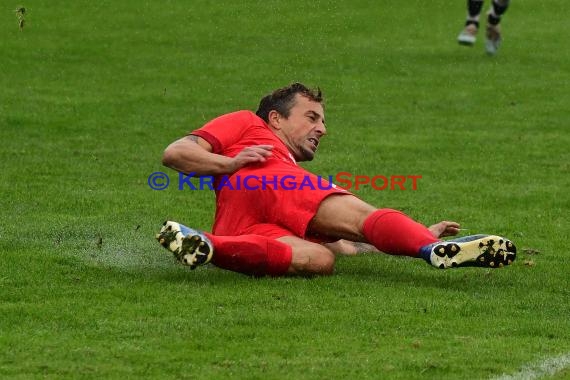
(276, 230)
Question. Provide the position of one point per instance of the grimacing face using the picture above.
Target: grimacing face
(302, 130)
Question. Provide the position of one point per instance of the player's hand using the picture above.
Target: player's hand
(444, 228)
(251, 155)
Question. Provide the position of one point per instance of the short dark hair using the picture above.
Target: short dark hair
(282, 99)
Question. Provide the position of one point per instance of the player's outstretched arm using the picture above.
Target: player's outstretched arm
(193, 154)
(444, 228)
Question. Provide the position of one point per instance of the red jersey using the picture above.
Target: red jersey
(229, 134)
(273, 211)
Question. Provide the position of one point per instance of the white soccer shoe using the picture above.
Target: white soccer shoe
(488, 251)
(468, 35)
(190, 247)
(493, 41)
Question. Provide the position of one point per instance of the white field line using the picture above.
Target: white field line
(547, 367)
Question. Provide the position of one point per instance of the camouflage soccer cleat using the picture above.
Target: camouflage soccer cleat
(468, 35)
(487, 251)
(493, 41)
(190, 247)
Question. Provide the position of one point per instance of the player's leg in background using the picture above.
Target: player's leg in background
(390, 231)
(351, 248)
(393, 232)
(468, 35)
(493, 32)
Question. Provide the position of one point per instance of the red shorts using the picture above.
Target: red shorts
(274, 200)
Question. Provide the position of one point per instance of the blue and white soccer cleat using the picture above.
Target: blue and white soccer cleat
(190, 247)
(489, 251)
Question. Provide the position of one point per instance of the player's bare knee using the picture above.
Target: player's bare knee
(313, 260)
(323, 262)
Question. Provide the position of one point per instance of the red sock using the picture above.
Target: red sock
(395, 233)
(251, 254)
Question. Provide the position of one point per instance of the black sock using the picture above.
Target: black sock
(497, 11)
(474, 7)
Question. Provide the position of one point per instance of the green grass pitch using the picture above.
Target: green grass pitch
(93, 91)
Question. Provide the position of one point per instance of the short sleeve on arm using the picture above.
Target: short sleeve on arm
(224, 131)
